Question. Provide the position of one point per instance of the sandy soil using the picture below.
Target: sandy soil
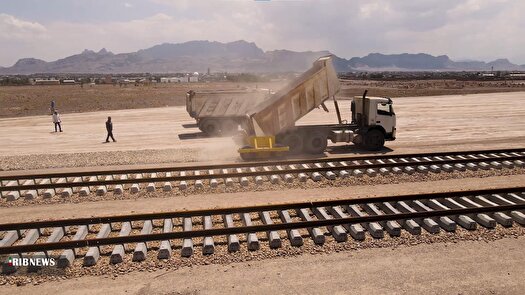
(152, 135)
(168, 134)
(427, 87)
(467, 262)
(16, 101)
(19, 101)
(452, 268)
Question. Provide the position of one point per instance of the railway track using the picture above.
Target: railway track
(47, 185)
(255, 227)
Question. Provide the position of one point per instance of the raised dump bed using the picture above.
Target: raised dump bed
(288, 105)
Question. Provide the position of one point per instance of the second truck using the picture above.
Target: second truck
(221, 112)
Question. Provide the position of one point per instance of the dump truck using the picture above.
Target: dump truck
(270, 128)
(221, 112)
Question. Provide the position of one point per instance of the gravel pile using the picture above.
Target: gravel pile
(222, 256)
(267, 186)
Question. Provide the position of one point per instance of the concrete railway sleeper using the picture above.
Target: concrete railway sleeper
(184, 232)
(118, 182)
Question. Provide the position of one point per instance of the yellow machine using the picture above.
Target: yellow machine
(260, 147)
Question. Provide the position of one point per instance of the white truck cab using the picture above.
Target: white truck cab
(376, 121)
(382, 114)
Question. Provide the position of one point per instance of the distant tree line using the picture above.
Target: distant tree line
(14, 81)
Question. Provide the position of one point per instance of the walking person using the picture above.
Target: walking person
(53, 107)
(109, 129)
(57, 121)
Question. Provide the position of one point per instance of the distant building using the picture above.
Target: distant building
(172, 80)
(47, 82)
(487, 75)
(189, 78)
(165, 80)
(126, 81)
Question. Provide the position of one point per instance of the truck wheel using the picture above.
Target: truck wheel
(294, 141)
(200, 125)
(228, 127)
(374, 140)
(315, 143)
(210, 127)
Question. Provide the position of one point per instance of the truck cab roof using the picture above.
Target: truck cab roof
(376, 99)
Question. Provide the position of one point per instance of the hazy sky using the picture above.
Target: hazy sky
(474, 29)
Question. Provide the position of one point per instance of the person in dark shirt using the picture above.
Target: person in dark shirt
(109, 128)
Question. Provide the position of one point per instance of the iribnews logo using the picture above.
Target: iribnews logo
(35, 261)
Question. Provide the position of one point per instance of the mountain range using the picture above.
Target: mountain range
(239, 56)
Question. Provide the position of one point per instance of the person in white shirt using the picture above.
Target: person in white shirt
(57, 121)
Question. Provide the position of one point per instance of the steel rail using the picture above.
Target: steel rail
(248, 229)
(248, 173)
(257, 208)
(251, 164)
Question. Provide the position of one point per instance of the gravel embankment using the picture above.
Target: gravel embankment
(267, 186)
(222, 256)
(98, 159)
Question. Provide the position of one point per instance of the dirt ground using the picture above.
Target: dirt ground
(456, 263)
(427, 87)
(465, 267)
(16, 101)
(168, 134)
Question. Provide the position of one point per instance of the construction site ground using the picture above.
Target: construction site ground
(470, 265)
(466, 262)
(17, 101)
(466, 267)
(169, 135)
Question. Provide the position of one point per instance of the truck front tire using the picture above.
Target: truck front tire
(374, 140)
(315, 142)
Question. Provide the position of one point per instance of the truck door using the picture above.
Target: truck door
(386, 118)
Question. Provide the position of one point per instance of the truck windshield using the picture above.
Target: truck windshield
(384, 109)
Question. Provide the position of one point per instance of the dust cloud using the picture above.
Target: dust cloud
(219, 151)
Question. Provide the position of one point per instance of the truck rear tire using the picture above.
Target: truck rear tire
(210, 127)
(315, 142)
(374, 140)
(294, 141)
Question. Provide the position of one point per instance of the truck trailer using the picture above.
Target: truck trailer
(270, 128)
(221, 112)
